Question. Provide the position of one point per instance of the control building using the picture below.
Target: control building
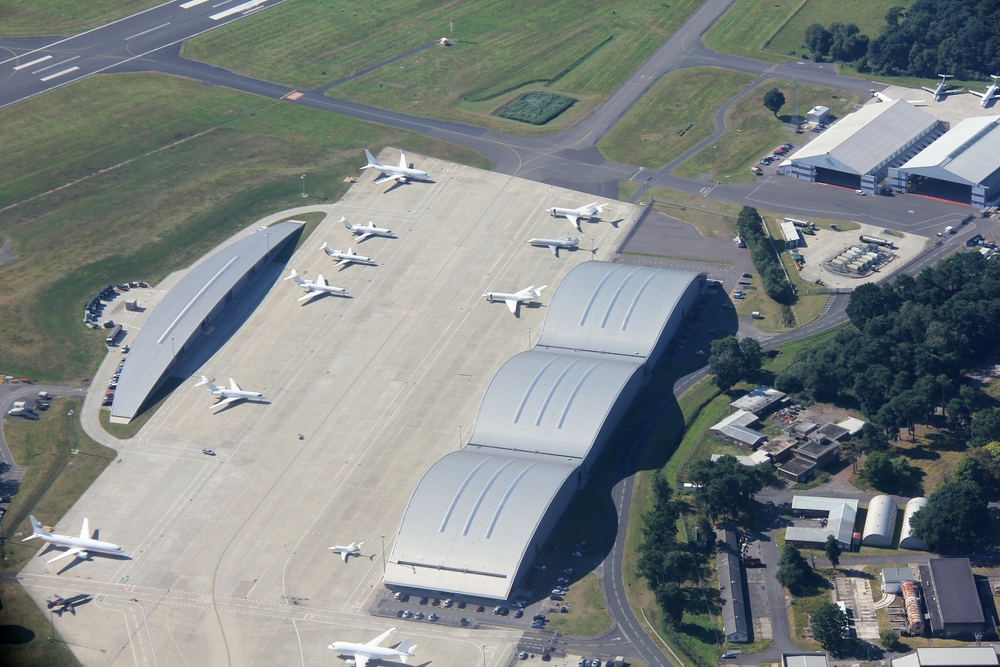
(480, 515)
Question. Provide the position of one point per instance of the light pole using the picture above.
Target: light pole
(642, 188)
(172, 352)
(482, 647)
(529, 338)
(303, 179)
(383, 556)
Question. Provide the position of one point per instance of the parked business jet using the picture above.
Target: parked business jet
(352, 549)
(372, 651)
(369, 230)
(512, 300)
(991, 92)
(77, 546)
(231, 395)
(942, 88)
(555, 244)
(349, 257)
(315, 289)
(574, 215)
(400, 174)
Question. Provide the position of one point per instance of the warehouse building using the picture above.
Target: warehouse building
(833, 516)
(951, 656)
(907, 540)
(480, 515)
(858, 150)
(190, 308)
(963, 165)
(735, 429)
(760, 401)
(892, 579)
(880, 522)
(951, 597)
(734, 606)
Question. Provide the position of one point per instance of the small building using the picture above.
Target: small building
(804, 428)
(880, 523)
(892, 579)
(759, 401)
(797, 470)
(952, 656)
(818, 452)
(818, 115)
(734, 608)
(736, 429)
(830, 433)
(790, 235)
(779, 448)
(756, 458)
(131, 305)
(951, 597)
(852, 425)
(838, 515)
(907, 540)
(805, 660)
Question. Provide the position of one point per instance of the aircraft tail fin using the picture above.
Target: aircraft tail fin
(36, 527)
(402, 159)
(406, 649)
(343, 219)
(372, 161)
(209, 383)
(294, 275)
(538, 292)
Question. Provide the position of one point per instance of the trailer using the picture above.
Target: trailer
(876, 240)
(113, 334)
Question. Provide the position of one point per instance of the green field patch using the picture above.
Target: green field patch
(677, 112)
(868, 15)
(495, 47)
(753, 131)
(20, 18)
(536, 108)
(747, 27)
(587, 616)
(25, 630)
(157, 179)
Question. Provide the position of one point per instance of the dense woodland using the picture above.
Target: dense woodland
(960, 37)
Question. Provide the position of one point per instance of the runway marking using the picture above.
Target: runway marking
(58, 74)
(193, 3)
(237, 9)
(61, 62)
(144, 32)
(33, 62)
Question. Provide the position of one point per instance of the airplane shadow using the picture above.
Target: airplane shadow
(322, 297)
(90, 556)
(72, 608)
(397, 184)
(615, 223)
(230, 406)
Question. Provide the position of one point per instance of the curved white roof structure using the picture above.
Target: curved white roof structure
(479, 515)
(179, 317)
(968, 153)
(880, 522)
(907, 540)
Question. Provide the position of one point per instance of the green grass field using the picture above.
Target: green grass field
(676, 113)
(587, 616)
(774, 29)
(192, 166)
(500, 50)
(21, 620)
(63, 17)
(753, 131)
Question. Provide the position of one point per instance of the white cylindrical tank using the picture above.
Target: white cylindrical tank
(880, 523)
(907, 540)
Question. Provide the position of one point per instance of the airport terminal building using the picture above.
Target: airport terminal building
(479, 515)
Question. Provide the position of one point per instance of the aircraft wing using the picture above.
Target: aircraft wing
(343, 556)
(575, 219)
(72, 552)
(85, 530)
(233, 385)
(977, 94)
(511, 304)
(225, 401)
(930, 90)
(342, 262)
(554, 248)
(360, 660)
(381, 638)
(364, 236)
(379, 181)
(310, 295)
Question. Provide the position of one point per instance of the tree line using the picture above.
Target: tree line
(768, 265)
(960, 37)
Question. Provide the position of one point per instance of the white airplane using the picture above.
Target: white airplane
(352, 549)
(574, 215)
(231, 395)
(400, 174)
(992, 93)
(527, 294)
(78, 546)
(349, 257)
(555, 244)
(942, 88)
(314, 288)
(372, 651)
(369, 230)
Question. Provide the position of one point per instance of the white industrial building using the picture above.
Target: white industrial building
(907, 540)
(963, 165)
(838, 515)
(790, 234)
(880, 522)
(480, 515)
(952, 656)
(858, 150)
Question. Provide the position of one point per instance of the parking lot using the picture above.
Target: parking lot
(826, 244)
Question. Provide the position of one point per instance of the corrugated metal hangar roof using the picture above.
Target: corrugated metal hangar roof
(967, 153)
(863, 141)
(179, 316)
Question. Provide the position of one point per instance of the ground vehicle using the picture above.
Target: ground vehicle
(556, 597)
(537, 624)
(949, 230)
(480, 608)
(728, 656)
(463, 621)
(860, 192)
(433, 617)
(44, 396)
(208, 451)
(423, 600)
(546, 657)
(447, 603)
(538, 617)
(518, 614)
(419, 616)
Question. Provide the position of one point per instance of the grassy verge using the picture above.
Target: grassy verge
(24, 632)
(587, 616)
(753, 131)
(20, 18)
(498, 51)
(868, 15)
(197, 164)
(56, 477)
(626, 189)
(676, 113)
(801, 606)
(748, 25)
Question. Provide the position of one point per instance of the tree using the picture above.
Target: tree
(818, 40)
(985, 427)
(828, 624)
(753, 357)
(866, 303)
(888, 639)
(833, 550)
(969, 469)
(706, 531)
(793, 570)
(728, 486)
(731, 361)
(956, 519)
(670, 597)
(774, 99)
(890, 475)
